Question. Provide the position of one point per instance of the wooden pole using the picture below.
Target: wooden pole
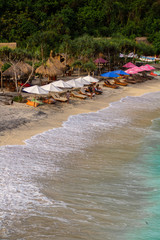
(1, 81)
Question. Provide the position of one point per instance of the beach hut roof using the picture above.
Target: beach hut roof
(48, 69)
(21, 68)
(56, 62)
(70, 61)
(59, 65)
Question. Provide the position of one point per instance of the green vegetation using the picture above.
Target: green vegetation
(18, 98)
(42, 25)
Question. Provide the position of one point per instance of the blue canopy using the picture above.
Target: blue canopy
(110, 74)
(121, 72)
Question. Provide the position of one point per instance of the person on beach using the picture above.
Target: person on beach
(107, 82)
(91, 90)
(98, 89)
(68, 96)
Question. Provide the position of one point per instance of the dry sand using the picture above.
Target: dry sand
(19, 122)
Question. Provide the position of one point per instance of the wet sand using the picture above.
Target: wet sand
(19, 122)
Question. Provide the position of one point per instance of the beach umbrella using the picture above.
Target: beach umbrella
(51, 88)
(20, 69)
(75, 84)
(121, 72)
(35, 90)
(110, 74)
(134, 70)
(148, 67)
(48, 69)
(61, 84)
(100, 60)
(82, 81)
(91, 79)
(143, 68)
(129, 65)
(56, 62)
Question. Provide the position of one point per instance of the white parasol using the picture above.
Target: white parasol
(61, 84)
(75, 84)
(51, 88)
(35, 90)
(91, 79)
(82, 81)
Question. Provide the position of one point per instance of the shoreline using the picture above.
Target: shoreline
(33, 121)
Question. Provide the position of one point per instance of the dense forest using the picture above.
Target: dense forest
(51, 22)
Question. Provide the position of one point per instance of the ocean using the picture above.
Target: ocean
(96, 177)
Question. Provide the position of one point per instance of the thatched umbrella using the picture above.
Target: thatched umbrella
(59, 65)
(49, 69)
(20, 69)
(70, 61)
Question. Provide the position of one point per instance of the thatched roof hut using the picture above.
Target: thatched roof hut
(56, 62)
(70, 61)
(21, 69)
(49, 69)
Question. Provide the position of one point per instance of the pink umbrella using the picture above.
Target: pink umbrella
(100, 60)
(129, 65)
(143, 68)
(133, 70)
(149, 67)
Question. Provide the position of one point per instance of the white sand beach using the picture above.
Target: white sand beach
(20, 122)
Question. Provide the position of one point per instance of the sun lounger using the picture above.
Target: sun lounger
(77, 95)
(128, 80)
(107, 84)
(83, 92)
(118, 82)
(49, 101)
(59, 98)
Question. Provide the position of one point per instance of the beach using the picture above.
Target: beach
(20, 122)
(84, 170)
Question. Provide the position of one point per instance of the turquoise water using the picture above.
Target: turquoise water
(96, 177)
(150, 172)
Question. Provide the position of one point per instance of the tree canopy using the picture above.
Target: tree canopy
(43, 24)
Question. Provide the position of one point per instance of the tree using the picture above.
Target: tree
(78, 64)
(13, 57)
(89, 67)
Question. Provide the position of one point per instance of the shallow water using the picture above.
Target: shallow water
(96, 177)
